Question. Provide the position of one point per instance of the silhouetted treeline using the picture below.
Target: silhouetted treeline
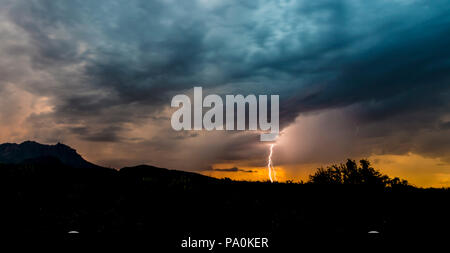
(350, 173)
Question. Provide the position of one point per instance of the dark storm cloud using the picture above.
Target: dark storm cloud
(233, 169)
(107, 134)
(106, 64)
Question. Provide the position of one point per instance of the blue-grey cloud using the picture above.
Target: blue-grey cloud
(107, 64)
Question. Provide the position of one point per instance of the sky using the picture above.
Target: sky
(356, 79)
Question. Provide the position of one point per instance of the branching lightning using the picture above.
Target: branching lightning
(270, 167)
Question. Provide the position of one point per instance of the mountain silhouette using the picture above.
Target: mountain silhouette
(59, 160)
(30, 151)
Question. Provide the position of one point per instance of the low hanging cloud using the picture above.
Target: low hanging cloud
(233, 169)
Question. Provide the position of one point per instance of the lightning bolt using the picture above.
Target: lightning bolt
(270, 167)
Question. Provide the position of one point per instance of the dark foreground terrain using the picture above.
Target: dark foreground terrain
(45, 199)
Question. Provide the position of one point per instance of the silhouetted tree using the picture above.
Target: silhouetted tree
(350, 173)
